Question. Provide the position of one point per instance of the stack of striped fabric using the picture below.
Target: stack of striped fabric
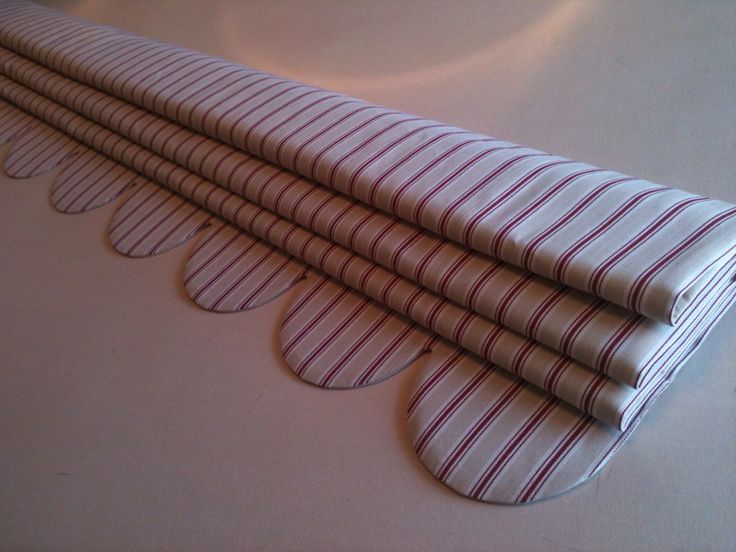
(554, 300)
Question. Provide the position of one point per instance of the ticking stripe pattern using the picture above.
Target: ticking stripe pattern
(37, 150)
(577, 324)
(332, 336)
(490, 436)
(577, 384)
(406, 232)
(151, 220)
(230, 271)
(492, 200)
(89, 181)
(572, 381)
(14, 122)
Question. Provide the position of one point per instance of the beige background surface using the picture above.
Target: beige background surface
(132, 420)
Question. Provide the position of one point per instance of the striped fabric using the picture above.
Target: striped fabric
(89, 181)
(77, 187)
(14, 122)
(230, 271)
(575, 323)
(547, 342)
(647, 248)
(335, 337)
(38, 150)
(150, 220)
(575, 383)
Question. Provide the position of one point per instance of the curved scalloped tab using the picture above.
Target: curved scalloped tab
(151, 220)
(490, 436)
(90, 180)
(13, 122)
(333, 336)
(231, 271)
(37, 150)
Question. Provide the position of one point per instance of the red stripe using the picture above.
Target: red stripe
(193, 270)
(375, 184)
(527, 256)
(252, 126)
(277, 270)
(563, 261)
(445, 413)
(280, 145)
(304, 299)
(554, 459)
(338, 329)
(471, 436)
(348, 355)
(386, 352)
(543, 199)
(358, 171)
(638, 289)
(534, 421)
(290, 119)
(599, 274)
(256, 264)
(434, 379)
(543, 309)
(498, 202)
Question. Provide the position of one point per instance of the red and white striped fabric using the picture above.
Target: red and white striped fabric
(230, 271)
(151, 220)
(14, 122)
(89, 181)
(333, 336)
(36, 150)
(594, 393)
(479, 429)
(564, 319)
(561, 376)
(640, 245)
(602, 397)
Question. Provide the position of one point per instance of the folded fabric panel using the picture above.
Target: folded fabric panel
(640, 245)
(555, 446)
(566, 320)
(406, 232)
(609, 401)
(599, 395)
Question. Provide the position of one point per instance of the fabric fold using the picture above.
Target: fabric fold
(640, 245)
(556, 300)
(614, 403)
(600, 335)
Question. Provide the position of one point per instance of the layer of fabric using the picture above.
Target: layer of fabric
(593, 393)
(230, 271)
(36, 150)
(302, 345)
(600, 335)
(493, 437)
(88, 181)
(640, 245)
(13, 122)
(333, 336)
(367, 311)
(490, 436)
(552, 448)
(151, 220)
